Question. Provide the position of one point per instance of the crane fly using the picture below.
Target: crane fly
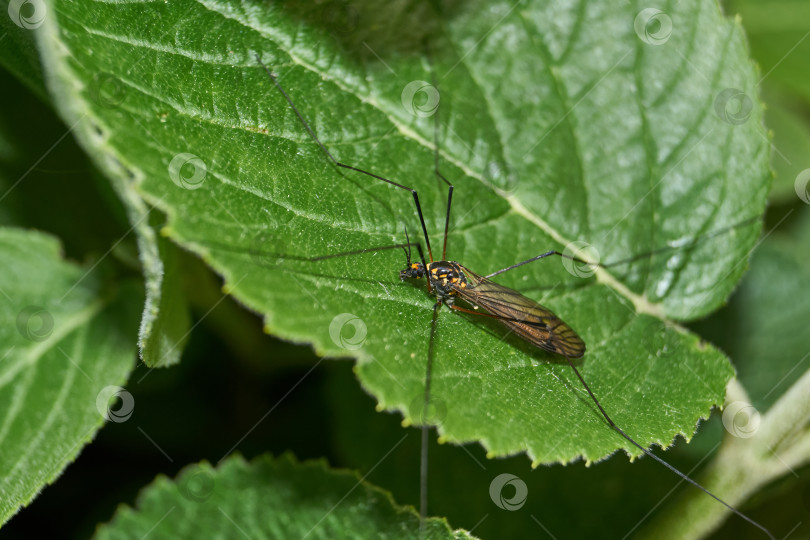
(525, 317)
(449, 281)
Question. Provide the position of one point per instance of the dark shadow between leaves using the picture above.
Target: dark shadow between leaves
(370, 32)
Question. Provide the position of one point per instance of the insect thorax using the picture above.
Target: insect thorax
(445, 277)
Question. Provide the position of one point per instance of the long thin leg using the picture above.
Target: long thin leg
(359, 252)
(240, 249)
(449, 193)
(632, 258)
(343, 165)
(527, 261)
(423, 459)
(436, 170)
(490, 315)
(661, 461)
(484, 314)
(686, 245)
(616, 428)
(447, 217)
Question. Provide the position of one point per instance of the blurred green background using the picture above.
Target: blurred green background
(232, 373)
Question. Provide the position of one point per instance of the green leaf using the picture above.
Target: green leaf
(772, 345)
(762, 328)
(791, 143)
(780, 42)
(557, 124)
(165, 323)
(165, 320)
(66, 343)
(268, 498)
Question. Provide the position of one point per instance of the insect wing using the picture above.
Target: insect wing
(528, 319)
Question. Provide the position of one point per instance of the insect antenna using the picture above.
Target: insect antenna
(407, 251)
(408, 243)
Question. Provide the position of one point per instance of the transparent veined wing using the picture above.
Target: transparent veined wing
(528, 319)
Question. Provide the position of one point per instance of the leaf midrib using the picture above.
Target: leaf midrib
(640, 303)
(55, 410)
(77, 320)
(67, 326)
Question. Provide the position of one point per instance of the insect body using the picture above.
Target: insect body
(444, 277)
(525, 317)
(450, 281)
(447, 278)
